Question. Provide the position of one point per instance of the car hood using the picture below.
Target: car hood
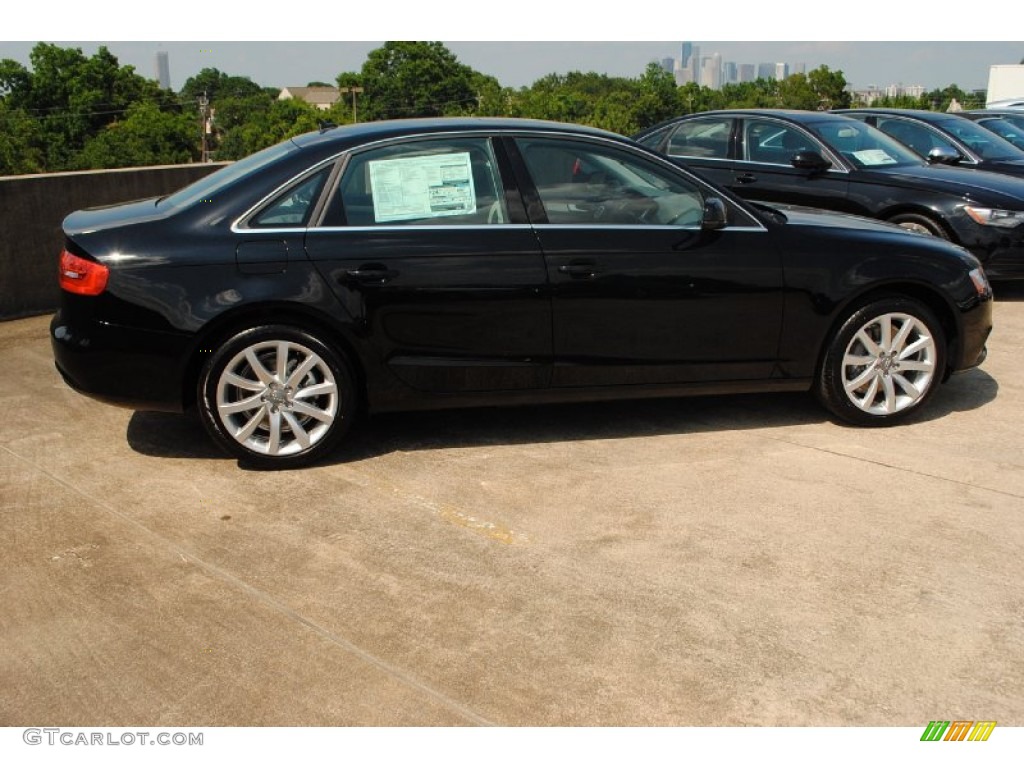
(108, 216)
(798, 215)
(980, 186)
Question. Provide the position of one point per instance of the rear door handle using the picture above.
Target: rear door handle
(746, 178)
(374, 274)
(582, 269)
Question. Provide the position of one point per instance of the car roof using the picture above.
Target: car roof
(802, 116)
(361, 133)
(920, 114)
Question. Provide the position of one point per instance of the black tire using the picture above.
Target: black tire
(868, 381)
(283, 414)
(916, 222)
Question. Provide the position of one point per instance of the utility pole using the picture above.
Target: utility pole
(353, 90)
(204, 126)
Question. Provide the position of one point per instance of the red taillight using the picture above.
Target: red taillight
(79, 275)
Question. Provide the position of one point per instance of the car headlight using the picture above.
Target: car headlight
(980, 280)
(995, 217)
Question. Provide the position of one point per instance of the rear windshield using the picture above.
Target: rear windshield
(208, 186)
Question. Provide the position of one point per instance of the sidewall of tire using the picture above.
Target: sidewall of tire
(231, 346)
(830, 389)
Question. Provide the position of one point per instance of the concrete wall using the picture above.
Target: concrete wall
(32, 208)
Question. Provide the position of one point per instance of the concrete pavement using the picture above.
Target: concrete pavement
(710, 561)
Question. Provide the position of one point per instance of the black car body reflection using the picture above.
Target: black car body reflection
(439, 263)
(837, 163)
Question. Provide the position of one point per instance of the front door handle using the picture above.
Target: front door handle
(746, 178)
(580, 269)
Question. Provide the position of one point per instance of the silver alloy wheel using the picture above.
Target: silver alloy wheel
(913, 226)
(889, 364)
(277, 398)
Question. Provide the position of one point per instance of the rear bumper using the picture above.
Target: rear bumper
(122, 366)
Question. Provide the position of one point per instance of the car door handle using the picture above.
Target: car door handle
(746, 178)
(371, 273)
(583, 269)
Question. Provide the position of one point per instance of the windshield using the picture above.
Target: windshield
(208, 186)
(1012, 132)
(865, 146)
(982, 141)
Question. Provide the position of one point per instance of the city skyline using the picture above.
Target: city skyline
(519, 63)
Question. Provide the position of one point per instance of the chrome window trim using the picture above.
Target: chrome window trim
(345, 155)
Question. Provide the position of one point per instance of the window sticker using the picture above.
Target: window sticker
(875, 157)
(422, 187)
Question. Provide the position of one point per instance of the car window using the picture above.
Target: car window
(582, 183)
(863, 145)
(209, 186)
(653, 140)
(1004, 128)
(920, 138)
(293, 207)
(703, 137)
(768, 141)
(441, 182)
(981, 140)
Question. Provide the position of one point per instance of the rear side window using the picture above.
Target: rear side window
(293, 207)
(704, 137)
(440, 182)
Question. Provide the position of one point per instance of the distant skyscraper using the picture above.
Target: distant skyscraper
(766, 71)
(668, 64)
(747, 73)
(798, 69)
(711, 71)
(163, 69)
(781, 71)
(730, 72)
(685, 53)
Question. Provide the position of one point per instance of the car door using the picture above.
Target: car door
(641, 293)
(764, 167)
(428, 250)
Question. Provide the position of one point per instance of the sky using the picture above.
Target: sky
(896, 46)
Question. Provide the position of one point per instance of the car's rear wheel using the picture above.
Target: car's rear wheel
(883, 363)
(276, 396)
(919, 223)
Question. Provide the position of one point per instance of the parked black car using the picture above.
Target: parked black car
(435, 263)
(943, 137)
(1008, 123)
(835, 162)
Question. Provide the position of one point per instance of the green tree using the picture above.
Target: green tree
(278, 121)
(216, 84)
(413, 79)
(20, 142)
(146, 136)
(72, 97)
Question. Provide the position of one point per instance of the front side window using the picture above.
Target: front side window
(582, 183)
(920, 138)
(768, 141)
(981, 140)
(437, 182)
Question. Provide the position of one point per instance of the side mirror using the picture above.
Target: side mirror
(809, 160)
(943, 156)
(716, 216)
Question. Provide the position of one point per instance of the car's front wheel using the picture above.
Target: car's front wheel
(883, 363)
(276, 396)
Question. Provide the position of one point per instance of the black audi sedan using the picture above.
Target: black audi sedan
(943, 137)
(438, 263)
(834, 162)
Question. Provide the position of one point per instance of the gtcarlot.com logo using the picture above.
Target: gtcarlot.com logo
(958, 730)
(72, 738)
